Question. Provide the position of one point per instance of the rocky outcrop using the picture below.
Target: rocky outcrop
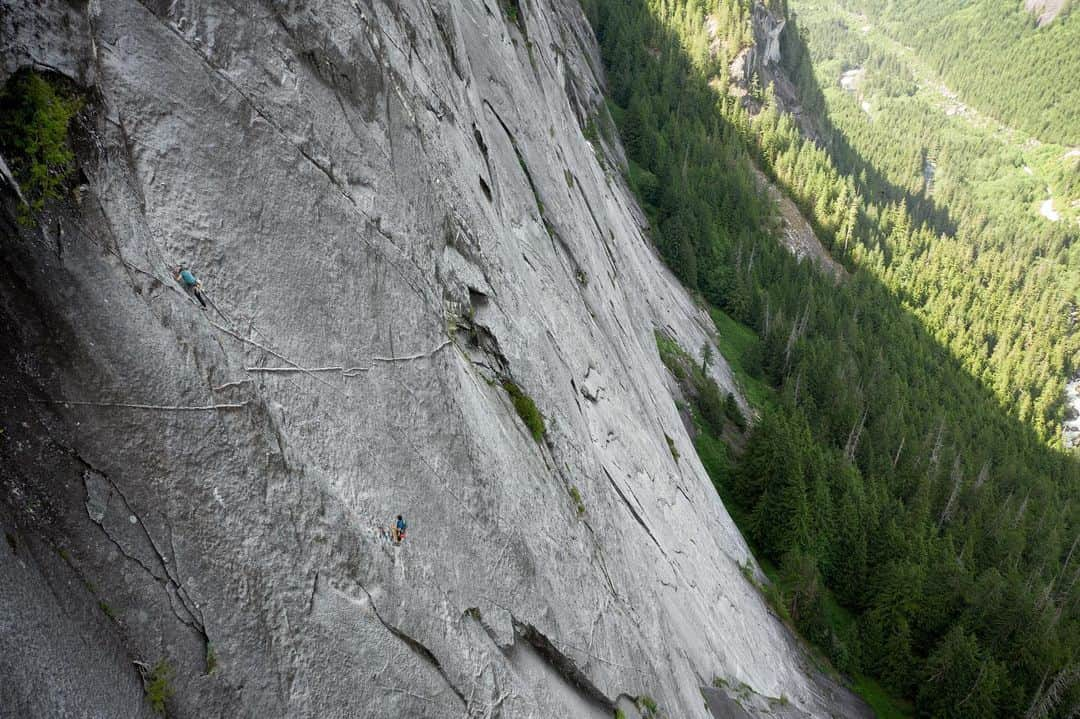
(1045, 10)
(1070, 428)
(393, 209)
(763, 61)
(796, 233)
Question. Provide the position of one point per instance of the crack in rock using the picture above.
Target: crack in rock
(634, 512)
(562, 664)
(334, 181)
(416, 646)
(99, 490)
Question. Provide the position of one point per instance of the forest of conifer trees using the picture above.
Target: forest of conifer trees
(996, 56)
(904, 475)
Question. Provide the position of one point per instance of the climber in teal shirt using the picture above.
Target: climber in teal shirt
(399, 530)
(191, 283)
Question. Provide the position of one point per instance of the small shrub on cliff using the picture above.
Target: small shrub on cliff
(158, 688)
(512, 12)
(211, 659)
(526, 409)
(575, 494)
(711, 405)
(671, 355)
(34, 118)
(591, 133)
(671, 447)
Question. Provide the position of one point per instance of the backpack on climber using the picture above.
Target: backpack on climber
(190, 282)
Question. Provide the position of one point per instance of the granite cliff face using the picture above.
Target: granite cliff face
(393, 208)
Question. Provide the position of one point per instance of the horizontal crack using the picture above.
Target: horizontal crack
(348, 371)
(264, 348)
(159, 407)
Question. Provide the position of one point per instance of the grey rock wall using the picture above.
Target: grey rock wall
(392, 207)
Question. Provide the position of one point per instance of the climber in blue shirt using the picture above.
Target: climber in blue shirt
(399, 530)
(191, 283)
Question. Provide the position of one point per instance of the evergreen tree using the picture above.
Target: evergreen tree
(889, 457)
(960, 680)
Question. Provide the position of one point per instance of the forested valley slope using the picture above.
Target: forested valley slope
(714, 354)
(908, 483)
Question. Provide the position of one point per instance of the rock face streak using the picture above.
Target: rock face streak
(393, 207)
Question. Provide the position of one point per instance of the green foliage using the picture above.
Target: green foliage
(710, 404)
(993, 54)
(647, 187)
(1006, 321)
(805, 595)
(960, 680)
(732, 411)
(706, 356)
(708, 400)
(106, 610)
(512, 12)
(774, 597)
(884, 704)
(888, 75)
(590, 132)
(647, 705)
(714, 455)
(900, 472)
(211, 658)
(746, 569)
(741, 348)
(526, 409)
(158, 688)
(671, 355)
(575, 495)
(671, 448)
(620, 714)
(34, 117)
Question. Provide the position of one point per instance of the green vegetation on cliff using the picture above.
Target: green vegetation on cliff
(34, 118)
